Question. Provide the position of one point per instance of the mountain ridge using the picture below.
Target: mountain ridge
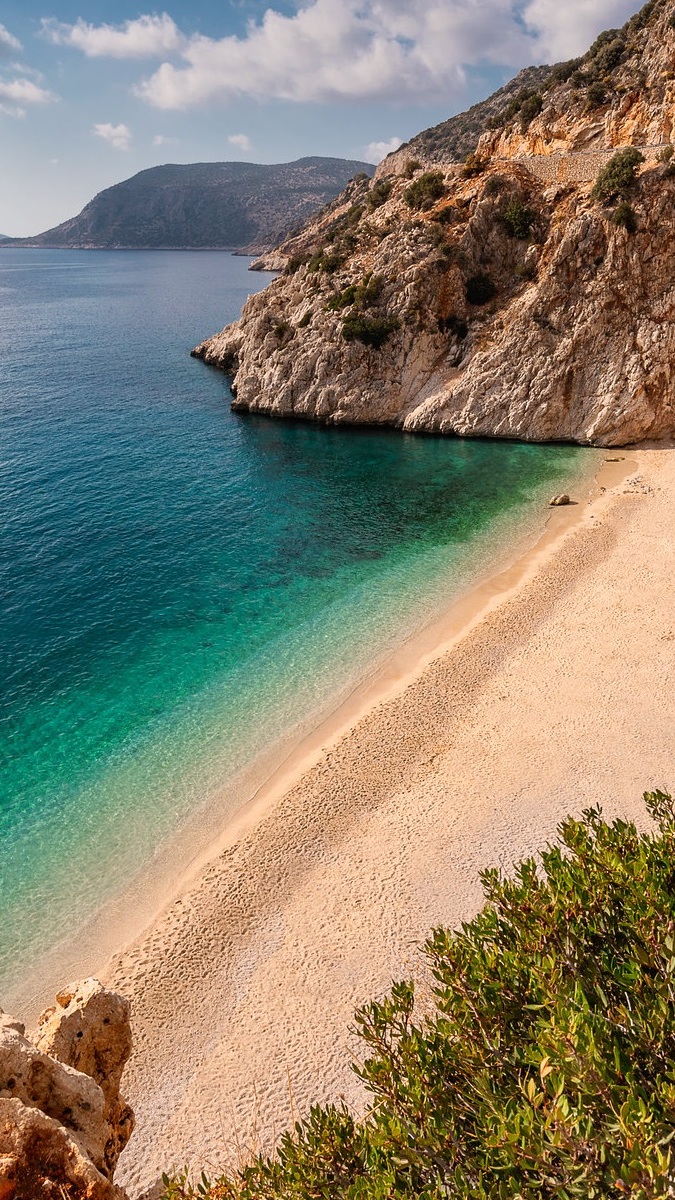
(228, 205)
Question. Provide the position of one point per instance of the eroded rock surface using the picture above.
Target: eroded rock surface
(63, 1123)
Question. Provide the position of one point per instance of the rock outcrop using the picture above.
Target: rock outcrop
(63, 1123)
(484, 299)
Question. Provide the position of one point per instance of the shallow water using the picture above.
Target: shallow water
(179, 586)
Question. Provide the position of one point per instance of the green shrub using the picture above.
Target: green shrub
(596, 94)
(362, 295)
(342, 299)
(480, 289)
(530, 109)
(305, 321)
(295, 262)
(546, 1070)
(411, 167)
(665, 155)
(619, 175)
(370, 331)
(426, 190)
(378, 193)
(624, 216)
(473, 165)
(517, 218)
(328, 261)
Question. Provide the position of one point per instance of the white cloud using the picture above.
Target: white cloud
(242, 141)
(376, 151)
(561, 34)
(15, 93)
(160, 140)
(8, 43)
(118, 136)
(332, 50)
(146, 37)
(343, 50)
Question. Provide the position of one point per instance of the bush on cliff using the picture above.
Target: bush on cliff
(425, 191)
(517, 218)
(370, 331)
(618, 176)
(624, 216)
(547, 1070)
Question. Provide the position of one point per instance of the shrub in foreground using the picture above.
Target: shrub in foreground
(547, 1070)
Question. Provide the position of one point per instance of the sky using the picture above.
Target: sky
(92, 91)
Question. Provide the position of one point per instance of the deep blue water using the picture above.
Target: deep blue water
(178, 585)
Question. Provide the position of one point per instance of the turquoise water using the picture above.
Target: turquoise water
(180, 586)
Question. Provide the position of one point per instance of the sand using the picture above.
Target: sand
(548, 692)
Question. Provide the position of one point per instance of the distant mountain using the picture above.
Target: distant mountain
(230, 205)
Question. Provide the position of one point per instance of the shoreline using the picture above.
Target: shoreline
(244, 988)
(234, 810)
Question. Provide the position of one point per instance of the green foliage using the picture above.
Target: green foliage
(362, 295)
(619, 175)
(480, 289)
(563, 71)
(426, 190)
(473, 165)
(305, 321)
(379, 192)
(596, 94)
(530, 109)
(517, 218)
(411, 167)
(370, 331)
(665, 155)
(327, 260)
(624, 216)
(546, 1071)
(295, 262)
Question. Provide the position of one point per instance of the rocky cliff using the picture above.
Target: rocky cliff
(504, 297)
(197, 205)
(63, 1123)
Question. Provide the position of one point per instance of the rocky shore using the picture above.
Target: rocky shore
(63, 1122)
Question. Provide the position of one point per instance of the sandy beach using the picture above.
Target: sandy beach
(550, 691)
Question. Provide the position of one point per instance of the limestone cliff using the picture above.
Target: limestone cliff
(63, 1123)
(497, 298)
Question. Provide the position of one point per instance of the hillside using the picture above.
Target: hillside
(514, 299)
(230, 205)
(453, 139)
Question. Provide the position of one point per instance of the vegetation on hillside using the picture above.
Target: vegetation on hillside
(547, 1069)
(619, 175)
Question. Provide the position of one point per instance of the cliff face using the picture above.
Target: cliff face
(487, 300)
(63, 1123)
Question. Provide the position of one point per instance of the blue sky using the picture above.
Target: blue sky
(92, 92)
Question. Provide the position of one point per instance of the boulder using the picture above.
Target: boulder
(63, 1122)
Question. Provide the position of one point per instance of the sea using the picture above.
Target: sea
(183, 588)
